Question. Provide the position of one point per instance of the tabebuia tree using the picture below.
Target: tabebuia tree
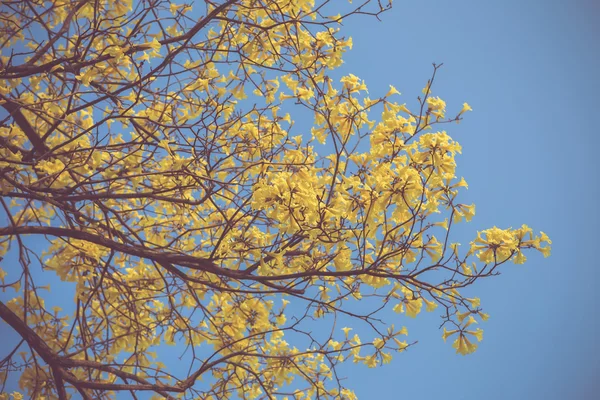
(198, 175)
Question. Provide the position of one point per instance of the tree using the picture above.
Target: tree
(149, 160)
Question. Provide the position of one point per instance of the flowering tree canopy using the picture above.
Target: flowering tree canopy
(156, 191)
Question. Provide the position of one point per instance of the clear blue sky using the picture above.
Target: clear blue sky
(528, 69)
(530, 150)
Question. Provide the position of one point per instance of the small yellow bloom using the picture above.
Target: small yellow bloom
(448, 333)
(545, 251)
(484, 316)
(463, 345)
(478, 333)
(174, 7)
(155, 44)
(305, 94)
(346, 330)
(470, 322)
(51, 167)
(413, 307)
(116, 52)
(475, 302)
(519, 258)
(392, 91)
(545, 238)
(430, 305)
(466, 107)
(86, 78)
(144, 57)
(462, 316)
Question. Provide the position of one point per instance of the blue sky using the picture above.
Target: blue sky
(529, 70)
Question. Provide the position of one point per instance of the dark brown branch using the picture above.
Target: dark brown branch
(15, 112)
(134, 250)
(28, 334)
